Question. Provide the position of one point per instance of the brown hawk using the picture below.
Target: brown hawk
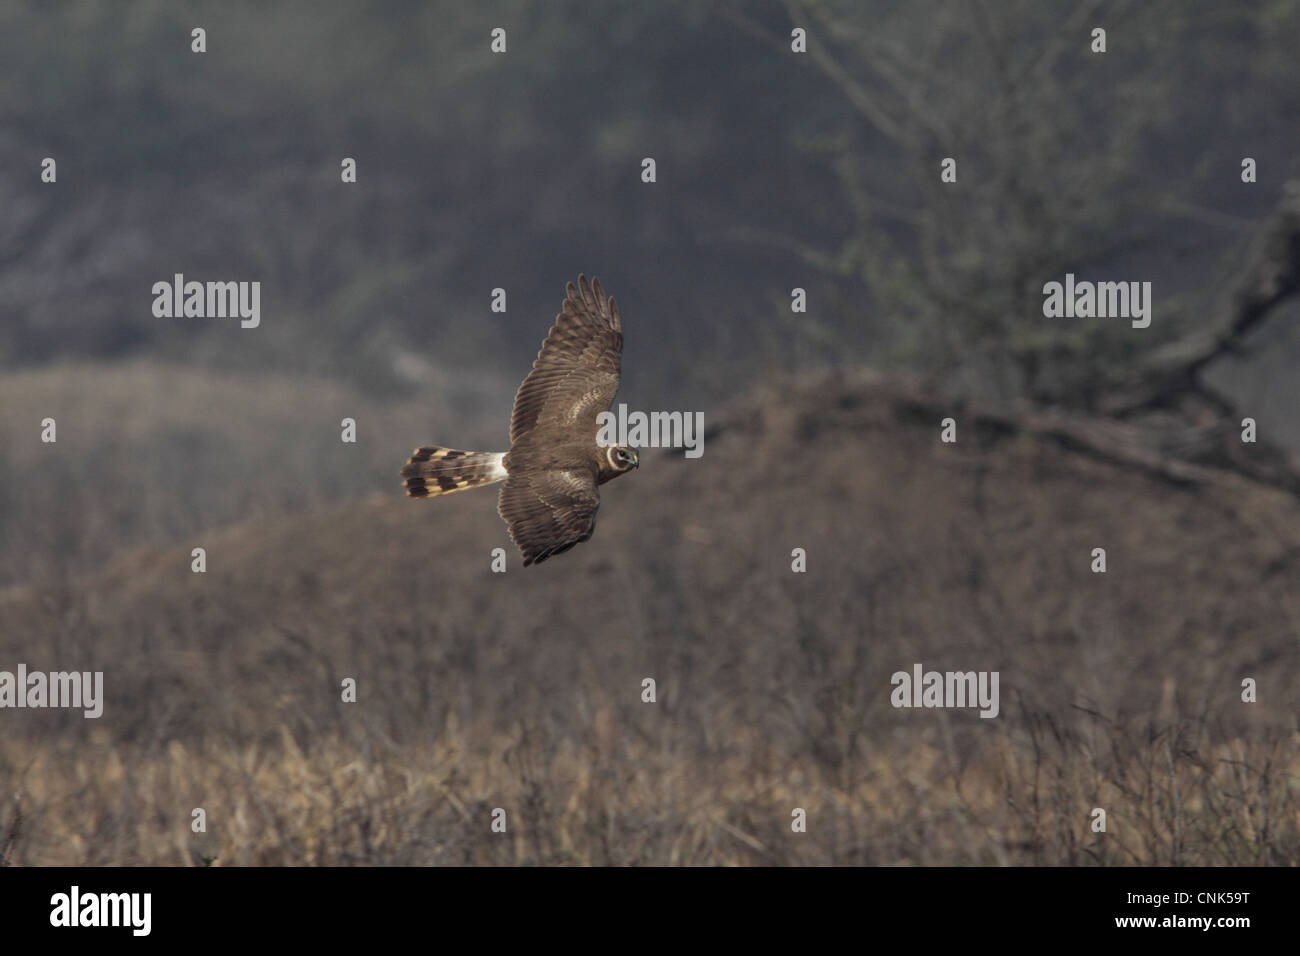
(554, 464)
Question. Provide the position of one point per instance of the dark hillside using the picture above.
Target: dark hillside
(522, 690)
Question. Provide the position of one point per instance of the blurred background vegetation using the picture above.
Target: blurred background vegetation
(479, 170)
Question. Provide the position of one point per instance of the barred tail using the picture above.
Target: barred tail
(440, 471)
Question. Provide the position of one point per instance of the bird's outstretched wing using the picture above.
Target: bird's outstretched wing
(549, 511)
(576, 373)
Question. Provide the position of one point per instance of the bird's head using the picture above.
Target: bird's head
(622, 458)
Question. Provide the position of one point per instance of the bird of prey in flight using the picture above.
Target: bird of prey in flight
(554, 464)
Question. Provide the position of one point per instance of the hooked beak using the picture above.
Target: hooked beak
(636, 460)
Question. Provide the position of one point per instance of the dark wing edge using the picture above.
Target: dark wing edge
(548, 512)
(579, 362)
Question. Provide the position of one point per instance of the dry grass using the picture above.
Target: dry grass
(1173, 795)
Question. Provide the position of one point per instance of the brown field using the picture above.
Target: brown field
(522, 691)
